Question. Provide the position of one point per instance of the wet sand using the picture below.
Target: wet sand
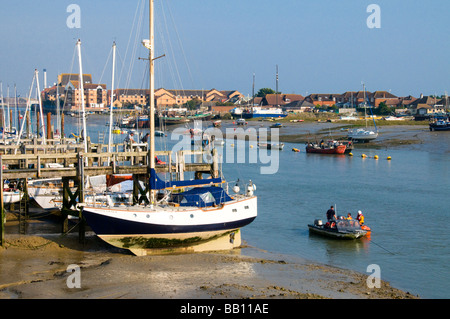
(35, 266)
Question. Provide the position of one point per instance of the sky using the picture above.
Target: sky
(321, 46)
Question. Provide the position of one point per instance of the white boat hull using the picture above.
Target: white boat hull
(12, 197)
(362, 135)
(46, 193)
(161, 229)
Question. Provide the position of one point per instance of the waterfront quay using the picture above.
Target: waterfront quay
(33, 160)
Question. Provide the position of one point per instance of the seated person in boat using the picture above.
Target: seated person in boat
(360, 218)
(330, 224)
(349, 216)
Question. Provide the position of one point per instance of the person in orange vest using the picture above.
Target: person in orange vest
(349, 216)
(360, 218)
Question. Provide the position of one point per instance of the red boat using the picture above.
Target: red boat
(332, 147)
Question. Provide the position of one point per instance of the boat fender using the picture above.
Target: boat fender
(333, 225)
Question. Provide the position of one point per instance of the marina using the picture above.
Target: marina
(149, 187)
(366, 180)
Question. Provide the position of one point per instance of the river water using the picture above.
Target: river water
(403, 201)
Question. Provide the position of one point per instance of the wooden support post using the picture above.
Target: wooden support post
(215, 164)
(66, 205)
(82, 222)
(2, 207)
(49, 126)
(28, 124)
(38, 131)
(181, 164)
(139, 193)
(23, 206)
(38, 166)
(62, 125)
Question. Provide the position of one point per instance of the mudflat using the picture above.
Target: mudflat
(40, 267)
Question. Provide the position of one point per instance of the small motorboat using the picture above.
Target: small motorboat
(276, 125)
(270, 146)
(340, 228)
(331, 147)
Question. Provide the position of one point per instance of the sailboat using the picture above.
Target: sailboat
(203, 216)
(361, 134)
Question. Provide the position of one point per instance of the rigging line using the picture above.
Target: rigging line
(138, 9)
(181, 45)
(71, 70)
(135, 47)
(169, 62)
(122, 62)
(106, 64)
(177, 77)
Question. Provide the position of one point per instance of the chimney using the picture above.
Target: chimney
(421, 95)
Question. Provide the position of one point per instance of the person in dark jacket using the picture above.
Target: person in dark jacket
(331, 215)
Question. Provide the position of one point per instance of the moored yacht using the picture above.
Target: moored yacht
(174, 216)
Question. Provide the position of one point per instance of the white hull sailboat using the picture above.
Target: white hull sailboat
(202, 217)
(168, 228)
(361, 134)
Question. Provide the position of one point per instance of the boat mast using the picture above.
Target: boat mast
(276, 93)
(365, 104)
(3, 111)
(7, 106)
(112, 99)
(16, 106)
(27, 110)
(58, 116)
(40, 107)
(83, 111)
(152, 93)
(253, 90)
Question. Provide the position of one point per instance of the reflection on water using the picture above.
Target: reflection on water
(404, 202)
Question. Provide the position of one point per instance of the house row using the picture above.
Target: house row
(350, 100)
(347, 99)
(97, 96)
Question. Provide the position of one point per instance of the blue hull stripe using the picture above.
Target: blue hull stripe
(104, 225)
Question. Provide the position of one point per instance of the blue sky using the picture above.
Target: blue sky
(321, 46)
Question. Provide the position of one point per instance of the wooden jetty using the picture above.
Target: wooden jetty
(34, 160)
